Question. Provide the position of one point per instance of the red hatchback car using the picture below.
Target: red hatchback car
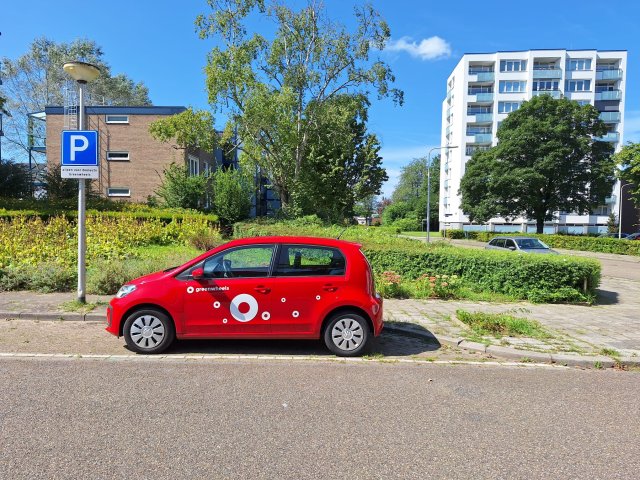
(263, 287)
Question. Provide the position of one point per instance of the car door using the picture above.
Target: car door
(509, 244)
(307, 281)
(234, 297)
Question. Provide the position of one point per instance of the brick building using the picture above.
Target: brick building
(131, 161)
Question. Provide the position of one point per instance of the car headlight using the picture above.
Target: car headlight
(125, 290)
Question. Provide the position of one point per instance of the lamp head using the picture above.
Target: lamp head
(81, 71)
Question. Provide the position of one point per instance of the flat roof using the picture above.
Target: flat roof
(120, 110)
(544, 50)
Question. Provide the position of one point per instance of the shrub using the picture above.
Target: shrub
(406, 224)
(205, 240)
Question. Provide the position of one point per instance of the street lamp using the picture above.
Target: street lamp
(620, 210)
(82, 73)
(448, 147)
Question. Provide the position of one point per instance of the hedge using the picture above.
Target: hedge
(569, 242)
(538, 278)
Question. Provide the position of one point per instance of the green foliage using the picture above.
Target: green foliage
(498, 325)
(14, 179)
(408, 224)
(343, 164)
(390, 284)
(546, 161)
(36, 79)
(568, 242)
(628, 160)
(411, 189)
(59, 188)
(516, 276)
(232, 195)
(179, 189)
(276, 91)
(191, 129)
(396, 211)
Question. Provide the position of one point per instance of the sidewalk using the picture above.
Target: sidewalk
(579, 332)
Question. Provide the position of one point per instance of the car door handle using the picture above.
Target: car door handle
(330, 288)
(262, 289)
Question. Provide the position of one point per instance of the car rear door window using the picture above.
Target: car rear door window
(306, 261)
(241, 262)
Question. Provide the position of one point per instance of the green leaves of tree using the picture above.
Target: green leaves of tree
(629, 162)
(191, 129)
(546, 161)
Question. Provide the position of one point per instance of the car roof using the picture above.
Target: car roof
(326, 242)
(513, 238)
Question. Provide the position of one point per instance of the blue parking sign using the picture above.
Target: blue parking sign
(79, 155)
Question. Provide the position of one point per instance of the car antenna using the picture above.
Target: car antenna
(343, 230)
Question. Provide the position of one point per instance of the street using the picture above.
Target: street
(81, 418)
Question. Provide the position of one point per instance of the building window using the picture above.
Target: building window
(580, 64)
(194, 165)
(116, 118)
(118, 192)
(513, 65)
(578, 85)
(118, 156)
(602, 210)
(512, 86)
(545, 85)
(508, 107)
(582, 103)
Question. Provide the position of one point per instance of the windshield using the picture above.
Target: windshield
(530, 243)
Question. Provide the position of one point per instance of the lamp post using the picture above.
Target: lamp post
(82, 73)
(620, 210)
(448, 147)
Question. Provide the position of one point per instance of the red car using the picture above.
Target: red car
(263, 287)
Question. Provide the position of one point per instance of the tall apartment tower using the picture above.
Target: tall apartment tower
(485, 87)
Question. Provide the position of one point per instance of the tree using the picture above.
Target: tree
(412, 188)
(191, 129)
(546, 161)
(232, 190)
(181, 190)
(59, 188)
(37, 79)
(342, 165)
(628, 160)
(14, 180)
(275, 91)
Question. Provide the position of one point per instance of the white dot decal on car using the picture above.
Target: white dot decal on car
(283, 299)
(235, 307)
(266, 315)
(224, 320)
(216, 304)
(295, 314)
(190, 289)
(317, 297)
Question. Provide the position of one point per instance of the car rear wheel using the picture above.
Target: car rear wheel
(347, 334)
(148, 331)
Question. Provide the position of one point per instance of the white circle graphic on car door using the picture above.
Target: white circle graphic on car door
(239, 300)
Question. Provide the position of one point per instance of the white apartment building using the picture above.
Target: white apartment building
(482, 90)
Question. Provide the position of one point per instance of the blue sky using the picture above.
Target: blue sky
(155, 42)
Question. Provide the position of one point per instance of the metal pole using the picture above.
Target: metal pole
(429, 195)
(82, 236)
(620, 210)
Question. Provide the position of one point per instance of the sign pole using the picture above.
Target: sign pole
(82, 208)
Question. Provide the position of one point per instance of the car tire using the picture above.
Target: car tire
(347, 334)
(148, 331)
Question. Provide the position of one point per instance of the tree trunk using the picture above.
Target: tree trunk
(540, 225)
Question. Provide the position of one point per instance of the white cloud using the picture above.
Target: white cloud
(432, 48)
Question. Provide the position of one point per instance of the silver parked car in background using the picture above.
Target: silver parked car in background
(519, 244)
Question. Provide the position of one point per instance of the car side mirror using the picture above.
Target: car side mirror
(512, 248)
(198, 274)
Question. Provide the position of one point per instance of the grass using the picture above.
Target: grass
(422, 234)
(609, 352)
(499, 325)
(77, 306)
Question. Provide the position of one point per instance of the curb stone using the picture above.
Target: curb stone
(513, 353)
(55, 316)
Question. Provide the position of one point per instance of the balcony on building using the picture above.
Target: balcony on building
(479, 135)
(609, 137)
(553, 93)
(546, 69)
(610, 117)
(481, 72)
(471, 149)
(479, 114)
(480, 94)
(605, 73)
(607, 94)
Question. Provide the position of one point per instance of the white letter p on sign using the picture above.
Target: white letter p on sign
(84, 144)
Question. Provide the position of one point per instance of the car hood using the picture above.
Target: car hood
(148, 278)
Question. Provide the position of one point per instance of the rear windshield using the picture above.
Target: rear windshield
(530, 244)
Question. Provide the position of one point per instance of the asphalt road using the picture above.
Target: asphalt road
(152, 419)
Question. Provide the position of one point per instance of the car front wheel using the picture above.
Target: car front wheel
(148, 331)
(347, 334)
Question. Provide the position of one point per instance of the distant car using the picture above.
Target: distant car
(263, 287)
(633, 236)
(613, 235)
(519, 244)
